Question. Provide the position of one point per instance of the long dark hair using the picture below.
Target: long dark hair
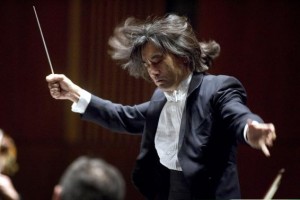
(171, 33)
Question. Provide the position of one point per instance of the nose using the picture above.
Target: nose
(153, 70)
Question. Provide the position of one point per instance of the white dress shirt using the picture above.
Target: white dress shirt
(167, 133)
(83, 102)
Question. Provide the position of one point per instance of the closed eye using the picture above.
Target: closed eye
(155, 59)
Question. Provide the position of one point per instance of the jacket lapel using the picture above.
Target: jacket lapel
(195, 83)
(157, 103)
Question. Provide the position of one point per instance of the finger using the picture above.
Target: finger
(269, 141)
(50, 77)
(55, 92)
(271, 135)
(272, 131)
(53, 85)
(272, 128)
(54, 78)
(56, 95)
(270, 138)
(55, 89)
(265, 150)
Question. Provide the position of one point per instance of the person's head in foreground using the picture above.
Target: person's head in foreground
(90, 179)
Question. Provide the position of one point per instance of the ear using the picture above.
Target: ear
(57, 192)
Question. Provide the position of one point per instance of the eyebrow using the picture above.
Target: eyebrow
(154, 55)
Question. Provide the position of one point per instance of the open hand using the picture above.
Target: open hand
(261, 135)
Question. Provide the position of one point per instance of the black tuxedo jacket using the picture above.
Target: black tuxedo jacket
(212, 125)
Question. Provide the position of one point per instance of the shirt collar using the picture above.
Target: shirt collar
(180, 93)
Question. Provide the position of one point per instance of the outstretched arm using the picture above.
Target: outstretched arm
(261, 135)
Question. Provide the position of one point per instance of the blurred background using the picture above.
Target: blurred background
(260, 46)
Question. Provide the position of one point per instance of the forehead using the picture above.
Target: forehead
(150, 50)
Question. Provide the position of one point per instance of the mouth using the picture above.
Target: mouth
(159, 80)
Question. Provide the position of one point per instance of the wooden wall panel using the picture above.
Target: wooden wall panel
(260, 46)
(27, 112)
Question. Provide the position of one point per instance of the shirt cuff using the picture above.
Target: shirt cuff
(83, 102)
(246, 130)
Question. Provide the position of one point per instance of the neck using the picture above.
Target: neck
(182, 78)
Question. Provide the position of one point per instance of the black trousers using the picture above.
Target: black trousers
(179, 189)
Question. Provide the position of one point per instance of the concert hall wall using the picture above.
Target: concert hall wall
(259, 45)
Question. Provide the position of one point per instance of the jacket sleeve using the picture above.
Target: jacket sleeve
(116, 117)
(230, 102)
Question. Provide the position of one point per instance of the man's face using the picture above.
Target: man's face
(165, 70)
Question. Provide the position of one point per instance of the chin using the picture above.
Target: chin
(165, 89)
